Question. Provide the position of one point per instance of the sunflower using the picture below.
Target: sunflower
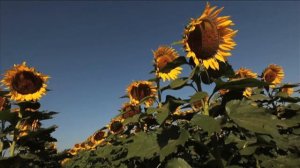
(162, 56)
(73, 152)
(245, 73)
(25, 83)
(138, 90)
(288, 90)
(180, 112)
(209, 38)
(116, 125)
(65, 161)
(129, 110)
(247, 92)
(273, 74)
(98, 137)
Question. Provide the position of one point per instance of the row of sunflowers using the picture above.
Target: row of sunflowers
(249, 120)
(207, 130)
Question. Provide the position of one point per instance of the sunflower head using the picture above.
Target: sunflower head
(162, 56)
(209, 38)
(98, 137)
(25, 83)
(116, 126)
(65, 161)
(73, 152)
(247, 92)
(288, 90)
(138, 90)
(273, 74)
(130, 110)
(245, 73)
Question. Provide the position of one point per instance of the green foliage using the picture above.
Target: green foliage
(23, 142)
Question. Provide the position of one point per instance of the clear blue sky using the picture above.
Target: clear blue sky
(93, 50)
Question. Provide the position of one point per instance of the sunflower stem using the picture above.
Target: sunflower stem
(158, 90)
(198, 83)
(13, 145)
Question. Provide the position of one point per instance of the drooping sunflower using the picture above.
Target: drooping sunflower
(209, 38)
(25, 83)
(162, 56)
(140, 89)
(245, 73)
(273, 74)
(129, 110)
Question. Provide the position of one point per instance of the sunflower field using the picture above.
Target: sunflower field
(249, 119)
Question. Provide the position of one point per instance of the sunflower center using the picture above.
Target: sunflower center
(116, 126)
(141, 91)
(204, 40)
(163, 61)
(99, 135)
(270, 76)
(26, 82)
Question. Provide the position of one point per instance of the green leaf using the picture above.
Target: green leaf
(169, 107)
(239, 84)
(6, 115)
(293, 107)
(144, 145)
(282, 162)
(3, 93)
(151, 110)
(162, 114)
(173, 143)
(178, 83)
(146, 98)
(133, 119)
(177, 43)
(29, 104)
(39, 115)
(288, 86)
(198, 96)
(248, 150)
(251, 117)
(207, 123)
(124, 96)
(259, 97)
(258, 120)
(177, 62)
(177, 163)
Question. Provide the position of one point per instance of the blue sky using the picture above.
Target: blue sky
(93, 50)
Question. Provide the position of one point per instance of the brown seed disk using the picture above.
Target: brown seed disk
(26, 82)
(204, 40)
